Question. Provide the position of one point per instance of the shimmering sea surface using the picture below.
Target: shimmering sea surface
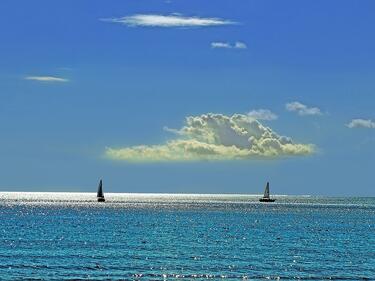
(69, 236)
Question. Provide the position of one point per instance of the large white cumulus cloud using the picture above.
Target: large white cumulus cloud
(215, 137)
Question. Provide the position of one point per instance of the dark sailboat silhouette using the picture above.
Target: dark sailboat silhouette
(266, 196)
(100, 194)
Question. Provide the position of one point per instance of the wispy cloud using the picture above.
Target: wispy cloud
(215, 137)
(262, 114)
(220, 45)
(173, 20)
(226, 45)
(46, 78)
(302, 109)
(361, 123)
(240, 45)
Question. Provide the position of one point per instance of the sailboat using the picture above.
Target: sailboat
(100, 194)
(266, 196)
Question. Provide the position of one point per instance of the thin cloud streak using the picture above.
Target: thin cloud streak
(225, 45)
(173, 20)
(46, 78)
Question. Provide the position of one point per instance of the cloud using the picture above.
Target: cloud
(225, 45)
(220, 45)
(240, 45)
(302, 109)
(46, 79)
(215, 137)
(173, 20)
(262, 114)
(361, 123)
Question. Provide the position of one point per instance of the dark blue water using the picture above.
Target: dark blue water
(149, 238)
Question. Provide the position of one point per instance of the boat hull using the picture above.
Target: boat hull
(266, 200)
(101, 199)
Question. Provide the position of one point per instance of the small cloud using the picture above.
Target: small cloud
(171, 130)
(225, 45)
(173, 20)
(46, 79)
(215, 137)
(240, 45)
(361, 123)
(220, 45)
(262, 114)
(302, 109)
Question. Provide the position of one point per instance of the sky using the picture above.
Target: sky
(188, 97)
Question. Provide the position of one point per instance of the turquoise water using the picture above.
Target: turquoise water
(61, 236)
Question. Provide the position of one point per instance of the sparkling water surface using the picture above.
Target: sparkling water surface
(69, 236)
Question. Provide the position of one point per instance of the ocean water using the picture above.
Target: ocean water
(69, 236)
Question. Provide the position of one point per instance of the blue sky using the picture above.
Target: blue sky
(116, 85)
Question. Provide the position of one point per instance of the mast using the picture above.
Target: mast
(267, 191)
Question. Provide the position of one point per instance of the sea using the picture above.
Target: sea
(70, 236)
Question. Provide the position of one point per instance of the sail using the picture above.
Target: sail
(267, 191)
(100, 189)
